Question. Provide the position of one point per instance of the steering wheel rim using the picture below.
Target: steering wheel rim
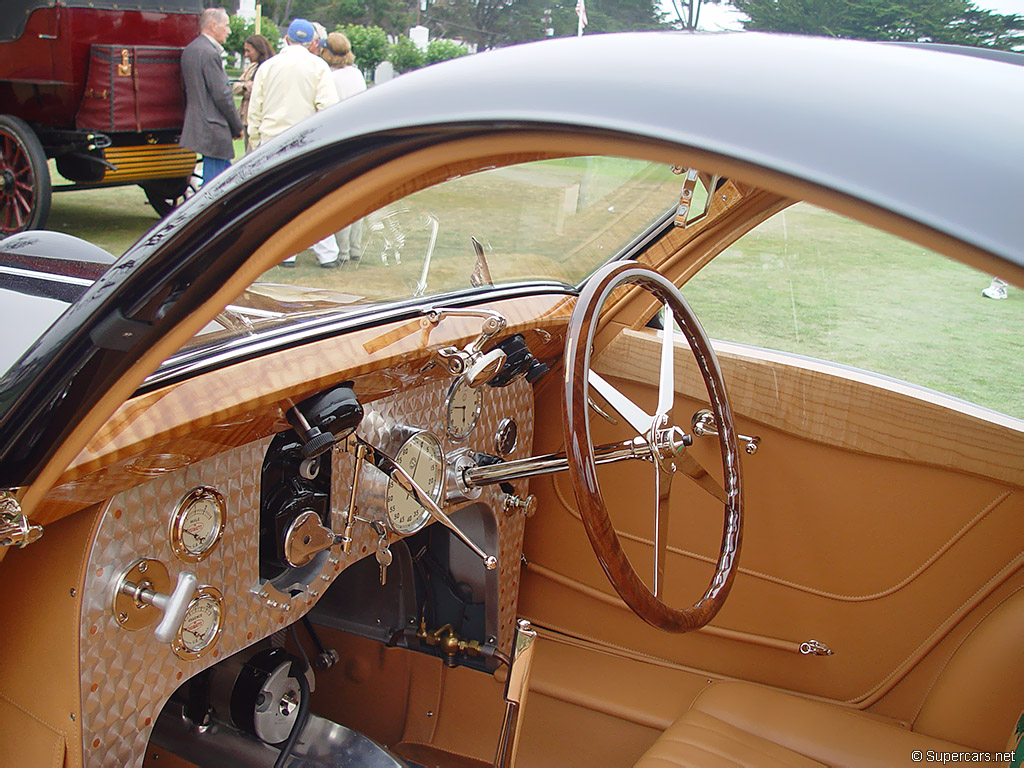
(582, 461)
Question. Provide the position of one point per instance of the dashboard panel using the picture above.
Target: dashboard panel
(128, 675)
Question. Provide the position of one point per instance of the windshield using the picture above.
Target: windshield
(550, 221)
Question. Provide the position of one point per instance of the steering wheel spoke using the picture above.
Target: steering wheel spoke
(634, 415)
(667, 444)
(694, 470)
(667, 376)
(663, 490)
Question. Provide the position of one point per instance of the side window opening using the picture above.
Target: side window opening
(814, 283)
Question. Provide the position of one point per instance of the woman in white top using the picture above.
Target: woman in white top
(337, 52)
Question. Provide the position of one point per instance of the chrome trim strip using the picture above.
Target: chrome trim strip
(193, 362)
(33, 274)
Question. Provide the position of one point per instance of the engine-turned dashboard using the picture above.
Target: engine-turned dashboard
(198, 564)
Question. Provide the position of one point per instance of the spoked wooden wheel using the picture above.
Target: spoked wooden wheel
(662, 440)
(24, 178)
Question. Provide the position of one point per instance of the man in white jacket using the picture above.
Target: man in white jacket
(288, 88)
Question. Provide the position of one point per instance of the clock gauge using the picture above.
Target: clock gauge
(202, 625)
(422, 458)
(462, 409)
(197, 524)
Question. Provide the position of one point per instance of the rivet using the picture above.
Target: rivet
(430, 713)
(74, 591)
(122, 617)
(143, 567)
(72, 717)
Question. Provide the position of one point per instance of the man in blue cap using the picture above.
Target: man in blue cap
(289, 87)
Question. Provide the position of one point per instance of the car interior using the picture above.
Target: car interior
(440, 521)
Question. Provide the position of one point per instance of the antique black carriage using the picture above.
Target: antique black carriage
(95, 86)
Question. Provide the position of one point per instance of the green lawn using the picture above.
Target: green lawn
(811, 282)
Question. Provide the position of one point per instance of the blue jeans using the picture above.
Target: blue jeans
(212, 166)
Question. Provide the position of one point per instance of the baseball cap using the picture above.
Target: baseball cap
(301, 31)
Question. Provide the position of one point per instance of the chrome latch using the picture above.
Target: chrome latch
(476, 366)
(16, 530)
(704, 424)
(815, 648)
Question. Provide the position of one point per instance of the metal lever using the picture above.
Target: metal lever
(392, 469)
(515, 694)
(704, 424)
(305, 537)
(138, 591)
(477, 367)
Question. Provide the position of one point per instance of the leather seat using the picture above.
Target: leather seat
(732, 724)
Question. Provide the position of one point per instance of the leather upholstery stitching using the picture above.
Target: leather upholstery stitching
(973, 522)
(57, 751)
(693, 744)
(953, 651)
(935, 637)
(686, 738)
(580, 640)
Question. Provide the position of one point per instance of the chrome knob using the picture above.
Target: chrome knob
(140, 598)
(512, 504)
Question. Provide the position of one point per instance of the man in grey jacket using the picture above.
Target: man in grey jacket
(211, 120)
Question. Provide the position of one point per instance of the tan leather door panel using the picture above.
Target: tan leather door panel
(881, 521)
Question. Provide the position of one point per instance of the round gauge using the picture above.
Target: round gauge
(201, 626)
(507, 437)
(197, 524)
(421, 456)
(462, 409)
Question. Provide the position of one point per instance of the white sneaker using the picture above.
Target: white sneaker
(997, 290)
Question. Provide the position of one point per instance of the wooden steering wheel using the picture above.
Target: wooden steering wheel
(659, 440)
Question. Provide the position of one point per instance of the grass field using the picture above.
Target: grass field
(807, 281)
(811, 282)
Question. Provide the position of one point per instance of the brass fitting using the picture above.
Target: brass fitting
(449, 643)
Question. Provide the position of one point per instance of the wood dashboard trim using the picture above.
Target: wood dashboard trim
(240, 403)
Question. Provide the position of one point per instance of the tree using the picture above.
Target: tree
(241, 28)
(406, 55)
(688, 12)
(492, 23)
(442, 50)
(393, 16)
(934, 21)
(369, 46)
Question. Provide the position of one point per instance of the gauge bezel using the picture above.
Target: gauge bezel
(506, 437)
(435, 495)
(203, 592)
(457, 435)
(175, 529)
